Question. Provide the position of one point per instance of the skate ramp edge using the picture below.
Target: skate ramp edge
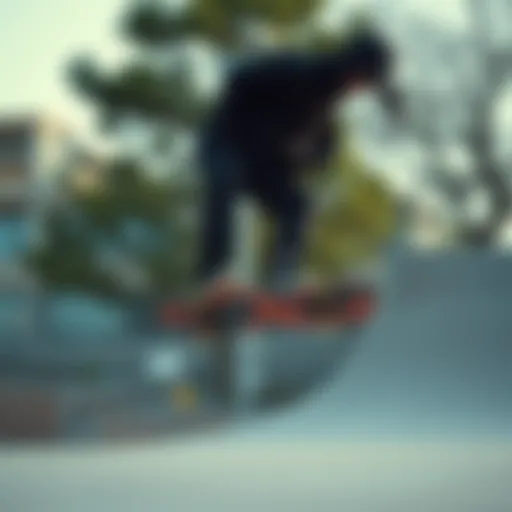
(436, 361)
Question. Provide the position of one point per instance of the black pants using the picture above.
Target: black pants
(226, 178)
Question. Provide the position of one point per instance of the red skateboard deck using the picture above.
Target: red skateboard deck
(259, 310)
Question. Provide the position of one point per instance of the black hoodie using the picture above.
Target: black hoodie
(269, 104)
(273, 100)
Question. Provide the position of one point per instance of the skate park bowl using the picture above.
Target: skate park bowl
(254, 359)
(417, 416)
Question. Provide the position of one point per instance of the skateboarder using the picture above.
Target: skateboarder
(274, 120)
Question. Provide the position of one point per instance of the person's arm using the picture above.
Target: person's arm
(324, 149)
(315, 154)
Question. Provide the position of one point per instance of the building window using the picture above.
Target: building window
(13, 238)
(15, 148)
(82, 318)
(14, 311)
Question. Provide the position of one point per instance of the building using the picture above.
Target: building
(34, 150)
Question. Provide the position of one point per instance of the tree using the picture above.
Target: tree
(354, 220)
(355, 225)
(124, 241)
(469, 93)
(164, 102)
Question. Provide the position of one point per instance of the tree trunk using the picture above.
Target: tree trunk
(493, 71)
(492, 179)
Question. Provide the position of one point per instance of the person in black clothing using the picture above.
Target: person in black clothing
(274, 120)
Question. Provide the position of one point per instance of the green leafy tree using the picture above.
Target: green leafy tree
(126, 240)
(165, 101)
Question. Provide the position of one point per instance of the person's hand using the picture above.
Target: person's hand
(300, 148)
(297, 151)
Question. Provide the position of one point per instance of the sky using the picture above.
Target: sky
(38, 38)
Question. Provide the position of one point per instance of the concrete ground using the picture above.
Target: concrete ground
(207, 475)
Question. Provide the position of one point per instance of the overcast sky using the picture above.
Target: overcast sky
(37, 38)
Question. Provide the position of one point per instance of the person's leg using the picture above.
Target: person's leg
(221, 177)
(287, 204)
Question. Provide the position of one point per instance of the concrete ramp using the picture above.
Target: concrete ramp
(436, 359)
